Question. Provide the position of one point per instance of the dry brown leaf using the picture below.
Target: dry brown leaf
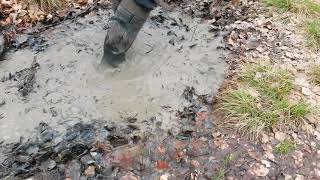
(259, 170)
(280, 136)
(129, 176)
(264, 138)
(298, 158)
(90, 171)
(253, 154)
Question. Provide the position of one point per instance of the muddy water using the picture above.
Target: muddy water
(69, 87)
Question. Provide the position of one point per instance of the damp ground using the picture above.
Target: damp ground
(173, 51)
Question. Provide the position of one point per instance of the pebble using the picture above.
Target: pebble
(306, 91)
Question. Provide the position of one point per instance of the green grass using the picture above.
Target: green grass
(271, 83)
(299, 110)
(285, 147)
(314, 34)
(220, 174)
(308, 7)
(262, 101)
(229, 158)
(315, 75)
(282, 4)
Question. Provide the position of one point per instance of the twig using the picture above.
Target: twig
(194, 32)
(150, 49)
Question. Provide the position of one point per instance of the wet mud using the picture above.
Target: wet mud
(171, 52)
(103, 151)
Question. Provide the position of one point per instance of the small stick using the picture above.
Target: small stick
(150, 49)
(194, 32)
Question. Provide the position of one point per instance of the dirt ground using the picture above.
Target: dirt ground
(152, 118)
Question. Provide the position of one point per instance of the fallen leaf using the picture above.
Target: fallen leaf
(280, 136)
(161, 165)
(264, 138)
(254, 155)
(90, 171)
(179, 145)
(260, 170)
(221, 143)
(298, 158)
(202, 116)
(195, 163)
(129, 176)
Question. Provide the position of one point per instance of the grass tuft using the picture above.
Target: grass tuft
(285, 147)
(262, 101)
(275, 84)
(314, 34)
(299, 110)
(308, 7)
(315, 75)
(282, 4)
(228, 159)
(220, 174)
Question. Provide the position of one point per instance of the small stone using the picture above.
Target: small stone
(306, 91)
(299, 177)
(164, 177)
(87, 159)
(211, 21)
(51, 164)
(290, 55)
(94, 154)
(287, 177)
(266, 163)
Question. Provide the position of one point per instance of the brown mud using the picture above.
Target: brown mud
(172, 51)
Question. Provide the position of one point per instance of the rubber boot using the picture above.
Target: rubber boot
(123, 30)
(115, 4)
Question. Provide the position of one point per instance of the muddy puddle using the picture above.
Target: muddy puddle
(171, 52)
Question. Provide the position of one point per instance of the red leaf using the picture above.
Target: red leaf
(161, 165)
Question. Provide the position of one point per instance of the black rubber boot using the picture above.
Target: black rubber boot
(123, 30)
